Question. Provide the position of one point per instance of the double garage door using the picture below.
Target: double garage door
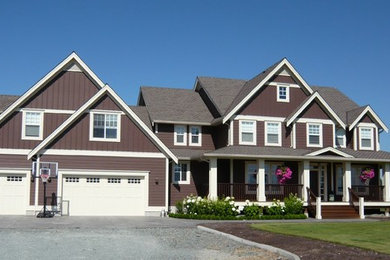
(105, 196)
(13, 194)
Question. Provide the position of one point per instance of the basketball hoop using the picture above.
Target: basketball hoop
(45, 174)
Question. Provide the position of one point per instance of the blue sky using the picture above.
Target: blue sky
(344, 44)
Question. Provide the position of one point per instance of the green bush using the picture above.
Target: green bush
(275, 209)
(251, 210)
(193, 205)
(179, 207)
(293, 205)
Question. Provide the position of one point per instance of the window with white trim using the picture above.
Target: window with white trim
(314, 135)
(181, 173)
(105, 126)
(366, 138)
(180, 135)
(340, 137)
(195, 135)
(273, 133)
(32, 125)
(247, 132)
(283, 93)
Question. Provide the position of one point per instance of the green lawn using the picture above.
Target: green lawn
(368, 235)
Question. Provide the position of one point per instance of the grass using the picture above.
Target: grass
(367, 235)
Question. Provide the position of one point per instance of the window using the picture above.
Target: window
(283, 94)
(180, 135)
(339, 179)
(114, 180)
(93, 180)
(181, 173)
(32, 125)
(14, 178)
(270, 176)
(340, 137)
(314, 135)
(72, 179)
(366, 138)
(134, 180)
(273, 133)
(248, 132)
(105, 127)
(195, 135)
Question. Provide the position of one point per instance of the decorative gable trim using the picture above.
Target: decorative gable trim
(371, 112)
(105, 90)
(329, 149)
(73, 57)
(284, 62)
(317, 96)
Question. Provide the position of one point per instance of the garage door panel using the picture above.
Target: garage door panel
(105, 196)
(13, 194)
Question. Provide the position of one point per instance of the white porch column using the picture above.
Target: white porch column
(261, 180)
(386, 182)
(361, 208)
(305, 179)
(346, 180)
(318, 208)
(213, 179)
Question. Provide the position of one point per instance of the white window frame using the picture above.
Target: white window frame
(320, 135)
(344, 144)
(372, 138)
(278, 99)
(188, 173)
(199, 143)
(266, 133)
(40, 136)
(104, 139)
(175, 142)
(254, 132)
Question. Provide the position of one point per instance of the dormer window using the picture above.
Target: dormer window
(283, 93)
(180, 136)
(340, 138)
(32, 125)
(105, 127)
(366, 138)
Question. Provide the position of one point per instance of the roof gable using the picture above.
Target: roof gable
(328, 151)
(354, 116)
(252, 86)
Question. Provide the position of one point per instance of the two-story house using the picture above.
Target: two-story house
(224, 137)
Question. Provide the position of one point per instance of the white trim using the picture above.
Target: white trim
(317, 96)
(284, 62)
(355, 139)
(368, 109)
(166, 184)
(259, 118)
(14, 151)
(266, 133)
(275, 84)
(84, 172)
(104, 139)
(199, 135)
(156, 128)
(314, 120)
(287, 100)
(371, 148)
(41, 121)
(175, 142)
(329, 149)
(34, 89)
(241, 142)
(320, 135)
(294, 136)
(188, 172)
(47, 111)
(102, 153)
(231, 132)
(181, 122)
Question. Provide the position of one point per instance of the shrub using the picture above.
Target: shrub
(293, 205)
(276, 208)
(179, 207)
(193, 205)
(251, 211)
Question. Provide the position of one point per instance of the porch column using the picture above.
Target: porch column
(386, 182)
(305, 178)
(261, 180)
(346, 180)
(213, 179)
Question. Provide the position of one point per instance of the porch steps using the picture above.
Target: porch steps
(338, 211)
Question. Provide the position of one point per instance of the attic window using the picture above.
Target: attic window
(32, 125)
(105, 127)
(340, 138)
(366, 136)
(283, 93)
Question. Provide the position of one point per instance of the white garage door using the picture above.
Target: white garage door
(13, 199)
(105, 196)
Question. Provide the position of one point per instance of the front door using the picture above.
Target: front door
(318, 180)
(251, 177)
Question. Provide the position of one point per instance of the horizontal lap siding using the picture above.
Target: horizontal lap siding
(156, 167)
(69, 90)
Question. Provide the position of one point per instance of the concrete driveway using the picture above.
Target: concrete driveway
(26, 237)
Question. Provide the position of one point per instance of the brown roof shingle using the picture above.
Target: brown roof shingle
(6, 100)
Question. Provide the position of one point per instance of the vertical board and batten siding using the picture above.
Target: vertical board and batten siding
(301, 137)
(314, 111)
(69, 90)
(14, 161)
(155, 167)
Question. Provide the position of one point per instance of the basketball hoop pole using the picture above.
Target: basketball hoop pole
(44, 199)
(45, 176)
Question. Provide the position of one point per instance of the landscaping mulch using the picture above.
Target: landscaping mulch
(303, 247)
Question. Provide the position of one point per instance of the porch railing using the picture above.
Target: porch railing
(369, 192)
(240, 191)
(353, 199)
(311, 201)
(280, 191)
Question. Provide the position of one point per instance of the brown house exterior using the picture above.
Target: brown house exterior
(225, 137)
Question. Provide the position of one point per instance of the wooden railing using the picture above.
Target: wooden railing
(240, 191)
(280, 191)
(353, 199)
(311, 201)
(369, 192)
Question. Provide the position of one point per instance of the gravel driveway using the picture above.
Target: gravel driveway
(25, 237)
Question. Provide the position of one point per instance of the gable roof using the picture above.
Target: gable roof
(6, 100)
(307, 102)
(356, 115)
(170, 105)
(221, 91)
(251, 87)
(105, 90)
(66, 63)
(330, 149)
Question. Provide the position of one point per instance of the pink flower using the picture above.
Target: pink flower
(367, 174)
(283, 174)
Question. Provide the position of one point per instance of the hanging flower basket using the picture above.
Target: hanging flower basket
(283, 173)
(366, 175)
